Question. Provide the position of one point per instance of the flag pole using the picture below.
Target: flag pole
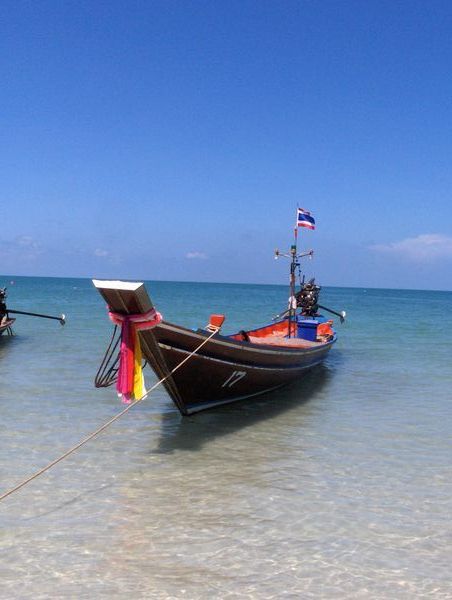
(293, 266)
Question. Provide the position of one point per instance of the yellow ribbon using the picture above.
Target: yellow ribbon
(138, 379)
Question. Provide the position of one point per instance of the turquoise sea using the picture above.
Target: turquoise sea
(338, 487)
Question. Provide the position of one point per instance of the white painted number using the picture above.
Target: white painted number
(234, 378)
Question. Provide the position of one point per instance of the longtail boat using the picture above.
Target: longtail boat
(5, 325)
(6, 321)
(218, 368)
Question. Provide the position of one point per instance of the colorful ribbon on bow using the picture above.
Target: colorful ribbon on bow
(130, 384)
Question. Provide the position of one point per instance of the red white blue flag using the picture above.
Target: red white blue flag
(305, 219)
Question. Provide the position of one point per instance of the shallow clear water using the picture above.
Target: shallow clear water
(338, 487)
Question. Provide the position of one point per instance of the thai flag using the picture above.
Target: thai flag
(304, 219)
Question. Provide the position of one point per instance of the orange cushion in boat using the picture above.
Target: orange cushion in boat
(325, 328)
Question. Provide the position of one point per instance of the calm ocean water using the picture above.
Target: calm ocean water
(339, 487)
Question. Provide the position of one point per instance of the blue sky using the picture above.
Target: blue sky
(174, 140)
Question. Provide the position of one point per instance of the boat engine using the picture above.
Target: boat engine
(3, 309)
(3, 295)
(308, 298)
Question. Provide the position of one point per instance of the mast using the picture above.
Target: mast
(293, 266)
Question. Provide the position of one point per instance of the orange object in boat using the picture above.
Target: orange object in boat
(325, 328)
(216, 321)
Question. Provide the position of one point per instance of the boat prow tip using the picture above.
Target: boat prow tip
(117, 284)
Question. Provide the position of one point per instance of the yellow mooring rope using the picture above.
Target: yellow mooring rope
(105, 425)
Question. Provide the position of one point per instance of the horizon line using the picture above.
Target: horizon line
(352, 287)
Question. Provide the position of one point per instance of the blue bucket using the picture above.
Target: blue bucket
(307, 329)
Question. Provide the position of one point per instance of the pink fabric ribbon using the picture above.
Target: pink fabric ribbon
(129, 372)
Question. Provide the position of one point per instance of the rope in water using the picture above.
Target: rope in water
(105, 425)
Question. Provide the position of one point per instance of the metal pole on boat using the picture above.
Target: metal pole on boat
(294, 256)
(341, 315)
(61, 318)
(293, 266)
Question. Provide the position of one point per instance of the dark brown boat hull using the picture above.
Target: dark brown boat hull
(224, 370)
(6, 326)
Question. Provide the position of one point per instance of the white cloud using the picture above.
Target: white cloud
(26, 241)
(22, 248)
(426, 247)
(196, 255)
(100, 252)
